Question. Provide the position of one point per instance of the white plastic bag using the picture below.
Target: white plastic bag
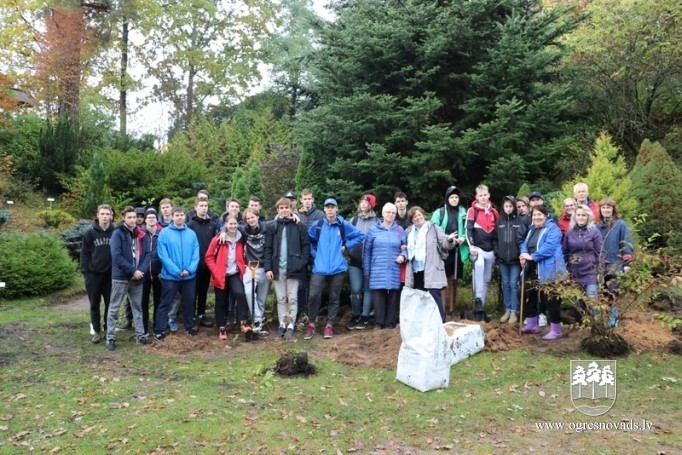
(424, 357)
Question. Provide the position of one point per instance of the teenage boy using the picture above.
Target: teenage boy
(152, 279)
(166, 207)
(178, 250)
(309, 215)
(130, 259)
(205, 228)
(254, 203)
(481, 222)
(96, 267)
(400, 201)
(191, 213)
(286, 260)
(329, 239)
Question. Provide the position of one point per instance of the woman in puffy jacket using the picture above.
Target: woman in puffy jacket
(542, 260)
(384, 251)
(225, 260)
(360, 294)
(583, 252)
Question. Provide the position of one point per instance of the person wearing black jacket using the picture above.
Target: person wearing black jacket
(205, 228)
(254, 230)
(511, 231)
(152, 279)
(95, 265)
(287, 249)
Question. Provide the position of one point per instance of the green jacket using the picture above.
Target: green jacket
(461, 227)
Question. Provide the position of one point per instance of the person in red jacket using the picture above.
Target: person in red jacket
(225, 260)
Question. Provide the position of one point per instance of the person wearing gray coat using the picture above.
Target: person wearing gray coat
(425, 268)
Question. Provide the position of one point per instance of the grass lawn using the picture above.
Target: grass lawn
(62, 394)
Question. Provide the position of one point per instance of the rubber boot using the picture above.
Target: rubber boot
(555, 332)
(531, 325)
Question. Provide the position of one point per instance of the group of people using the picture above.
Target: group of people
(178, 254)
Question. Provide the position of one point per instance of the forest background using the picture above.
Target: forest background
(379, 96)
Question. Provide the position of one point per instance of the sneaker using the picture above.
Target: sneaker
(142, 341)
(172, 325)
(96, 338)
(280, 332)
(92, 330)
(328, 332)
(289, 334)
(204, 321)
(309, 332)
(513, 319)
(159, 336)
(192, 333)
(111, 345)
(542, 320)
(478, 305)
(222, 333)
(505, 317)
(362, 324)
(353, 322)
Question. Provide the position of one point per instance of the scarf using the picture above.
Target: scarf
(416, 243)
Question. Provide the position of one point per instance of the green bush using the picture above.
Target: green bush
(4, 216)
(33, 265)
(55, 218)
(73, 238)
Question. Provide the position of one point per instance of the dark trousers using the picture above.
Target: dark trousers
(435, 293)
(303, 288)
(98, 287)
(233, 287)
(150, 284)
(317, 282)
(385, 304)
(169, 288)
(203, 281)
(536, 301)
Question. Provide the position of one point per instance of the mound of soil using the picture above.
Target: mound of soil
(643, 332)
(295, 365)
(368, 348)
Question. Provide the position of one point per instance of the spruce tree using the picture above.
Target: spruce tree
(607, 176)
(238, 189)
(96, 187)
(657, 187)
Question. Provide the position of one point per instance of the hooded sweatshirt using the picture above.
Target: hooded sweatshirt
(95, 250)
(511, 232)
(452, 218)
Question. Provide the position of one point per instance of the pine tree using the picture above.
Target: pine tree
(657, 187)
(59, 149)
(607, 176)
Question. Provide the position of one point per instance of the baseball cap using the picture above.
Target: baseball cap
(290, 195)
(536, 194)
(330, 201)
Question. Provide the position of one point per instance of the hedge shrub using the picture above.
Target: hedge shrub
(56, 218)
(33, 265)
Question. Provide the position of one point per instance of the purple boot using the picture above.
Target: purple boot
(555, 332)
(531, 325)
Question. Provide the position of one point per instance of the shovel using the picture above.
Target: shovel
(523, 296)
(253, 267)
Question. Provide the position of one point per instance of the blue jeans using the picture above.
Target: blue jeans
(360, 294)
(510, 285)
(169, 289)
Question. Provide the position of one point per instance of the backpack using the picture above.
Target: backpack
(318, 230)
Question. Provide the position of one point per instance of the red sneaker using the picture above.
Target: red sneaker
(309, 332)
(328, 332)
(222, 334)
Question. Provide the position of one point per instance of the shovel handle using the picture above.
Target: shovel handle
(253, 266)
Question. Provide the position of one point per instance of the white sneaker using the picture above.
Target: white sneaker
(512, 317)
(92, 330)
(542, 320)
(505, 316)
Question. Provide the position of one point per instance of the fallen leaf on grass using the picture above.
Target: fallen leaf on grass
(19, 396)
(541, 393)
(56, 449)
(445, 447)
(3, 427)
(7, 417)
(19, 436)
(85, 431)
(57, 432)
(118, 405)
(668, 378)
(342, 403)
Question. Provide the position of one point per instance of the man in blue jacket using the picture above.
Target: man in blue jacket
(330, 237)
(130, 259)
(178, 250)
